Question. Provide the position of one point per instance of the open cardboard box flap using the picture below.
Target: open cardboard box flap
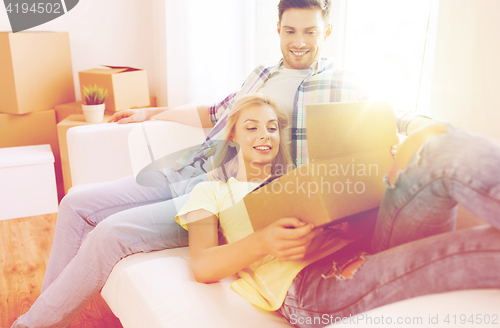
(123, 69)
(349, 154)
(112, 70)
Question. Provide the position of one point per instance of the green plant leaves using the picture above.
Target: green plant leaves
(94, 95)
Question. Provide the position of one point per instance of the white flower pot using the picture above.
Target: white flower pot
(93, 113)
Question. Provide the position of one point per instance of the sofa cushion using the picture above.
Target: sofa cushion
(158, 290)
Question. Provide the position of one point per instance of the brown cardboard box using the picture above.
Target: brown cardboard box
(62, 128)
(127, 87)
(65, 110)
(349, 154)
(36, 128)
(36, 72)
(324, 192)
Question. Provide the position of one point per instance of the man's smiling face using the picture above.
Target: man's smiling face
(302, 34)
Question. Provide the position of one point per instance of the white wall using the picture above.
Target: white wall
(466, 75)
(209, 49)
(106, 32)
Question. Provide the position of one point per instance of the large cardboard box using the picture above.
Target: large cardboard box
(127, 86)
(28, 185)
(36, 72)
(36, 128)
(349, 154)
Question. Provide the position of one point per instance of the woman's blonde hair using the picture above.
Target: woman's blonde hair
(225, 161)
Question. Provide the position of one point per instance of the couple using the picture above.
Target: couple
(99, 226)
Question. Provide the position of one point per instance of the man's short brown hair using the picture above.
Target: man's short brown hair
(323, 5)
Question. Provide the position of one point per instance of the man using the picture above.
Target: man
(126, 218)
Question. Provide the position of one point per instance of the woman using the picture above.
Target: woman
(279, 266)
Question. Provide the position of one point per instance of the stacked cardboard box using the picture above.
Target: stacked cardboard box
(37, 90)
(36, 71)
(36, 76)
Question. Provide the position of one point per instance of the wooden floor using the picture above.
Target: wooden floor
(24, 251)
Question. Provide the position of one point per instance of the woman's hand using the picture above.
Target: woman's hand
(133, 115)
(287, 239)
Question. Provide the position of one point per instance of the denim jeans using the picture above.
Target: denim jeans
(97, 227)
(415, 249)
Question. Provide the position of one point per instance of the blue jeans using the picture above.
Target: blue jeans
(97, 227)
(415, 249)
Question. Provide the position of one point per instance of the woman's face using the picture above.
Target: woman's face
(257, 133)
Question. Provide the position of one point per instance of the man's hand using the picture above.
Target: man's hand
(134, 115)
(288, 238)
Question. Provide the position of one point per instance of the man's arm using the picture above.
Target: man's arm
(198, 116)
(190, 115)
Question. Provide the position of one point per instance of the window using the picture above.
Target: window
(384, 43)
(381, 41)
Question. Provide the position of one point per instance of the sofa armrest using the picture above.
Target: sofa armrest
(106, 152)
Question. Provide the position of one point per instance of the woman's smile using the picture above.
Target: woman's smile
(263, 149)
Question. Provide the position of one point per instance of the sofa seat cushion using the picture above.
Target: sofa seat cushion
(158, 289)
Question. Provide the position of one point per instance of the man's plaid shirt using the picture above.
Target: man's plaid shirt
(323, 84)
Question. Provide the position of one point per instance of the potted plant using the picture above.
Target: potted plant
(93, 103)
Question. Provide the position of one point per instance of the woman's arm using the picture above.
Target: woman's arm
(198, 116)
(286, 239)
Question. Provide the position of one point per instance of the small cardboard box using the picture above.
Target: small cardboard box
(36, 72)
(36, 128)
(127, 86)
(349, 154)
(28, 185)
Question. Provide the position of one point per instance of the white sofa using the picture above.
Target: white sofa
(158, 289)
